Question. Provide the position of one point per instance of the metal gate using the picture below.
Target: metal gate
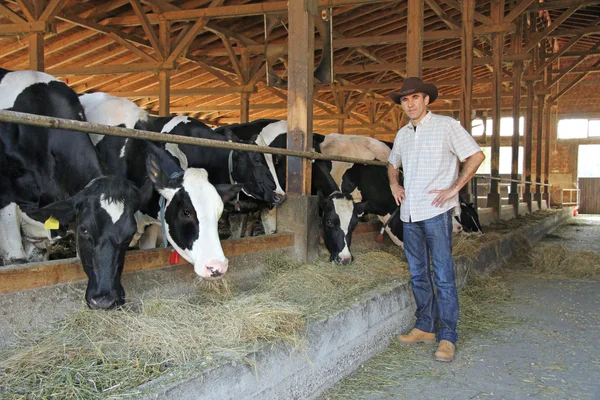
(589, 195)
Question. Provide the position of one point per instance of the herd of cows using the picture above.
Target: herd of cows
(114, 193)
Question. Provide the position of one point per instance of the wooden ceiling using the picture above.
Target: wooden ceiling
(214, 52)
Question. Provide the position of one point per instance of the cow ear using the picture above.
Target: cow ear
(229, 135)
(361, 207)
(159, 178)
(57, 215)
(253, 138)
(228, 192)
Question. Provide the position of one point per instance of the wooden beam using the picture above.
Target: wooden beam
(235, 63)
(516, 114)
(51, 10)
(35, 27)
(571, 67)
(164, 95)
(233, 11)
(538, 37)
(590, 30)
(556, 4)
(110, 69)
(518, 10)
(478, 16)
(27, 9)
(10, 14)
(184, 43)
(134, 49)
(538, 152)
(228, 107)
(414, 34)
(148, 29)
(185, 92)
(572, 84)
(466, 81)
(36, 51)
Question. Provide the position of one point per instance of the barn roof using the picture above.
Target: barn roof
(216, 52)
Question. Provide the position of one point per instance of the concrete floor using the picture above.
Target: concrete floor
(554, 353)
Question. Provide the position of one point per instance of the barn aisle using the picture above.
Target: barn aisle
(539, 343)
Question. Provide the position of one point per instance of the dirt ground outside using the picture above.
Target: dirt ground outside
(548, 348)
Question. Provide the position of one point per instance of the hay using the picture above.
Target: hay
(92, 355)
(560, 261)
(468, 245)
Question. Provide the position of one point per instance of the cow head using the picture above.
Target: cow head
(104, 224)
(468, 221)
(192, 210)
(251, 169)
(339, 217)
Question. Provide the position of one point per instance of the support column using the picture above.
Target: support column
(466, 81)
(498, 48)
(538, 152)
(547, 138)
(301, 207)
(36, 51)
(414, 42)
(164, 76)
(528, 148)
(513, 197)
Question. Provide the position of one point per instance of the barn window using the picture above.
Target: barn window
(505, 161)
(578, 128)
(506, 126)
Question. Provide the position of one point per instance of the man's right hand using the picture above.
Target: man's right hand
(398, 193)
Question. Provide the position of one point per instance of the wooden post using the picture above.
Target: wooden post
(498, 49)
(245, 96)
(547, 136)
(514, 197)
(538, 153)
(244, 107)
(414, 42)
(164, 76)
(466, 81)
(36, 51)
(340, 126)
(300, 92)
(528, 140)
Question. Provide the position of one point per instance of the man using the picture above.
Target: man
(429, 149)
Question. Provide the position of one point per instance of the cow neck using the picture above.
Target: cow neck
(161, 203)
(231, 180)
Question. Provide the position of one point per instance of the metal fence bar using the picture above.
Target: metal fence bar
(511, 180)
(88, 127)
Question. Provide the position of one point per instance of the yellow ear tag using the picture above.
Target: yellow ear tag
(51, 223)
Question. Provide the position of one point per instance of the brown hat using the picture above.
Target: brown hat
(415, 85)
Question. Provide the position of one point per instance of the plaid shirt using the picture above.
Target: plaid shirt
(429, 157)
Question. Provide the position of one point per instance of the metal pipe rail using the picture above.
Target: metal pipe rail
(510, 180)
(88, 127)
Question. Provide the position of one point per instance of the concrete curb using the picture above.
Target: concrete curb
(335, 346)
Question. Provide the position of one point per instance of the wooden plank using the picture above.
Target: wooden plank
(518, 10)
(51, 9)
(466, 81)
(185, 42)
(14, 278)
(148, 29)
(26, 27)
(108, 69)
(538, 37)
(589, 195)
(300, 93)
(414, 35)
(201, 91)
(36, 51)
(10, 14)
(26, 7)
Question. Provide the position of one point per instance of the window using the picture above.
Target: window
(578, 128)
(505, 161)
(506, 126)
(588, 163)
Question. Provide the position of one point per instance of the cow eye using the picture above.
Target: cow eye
(186, 213)
(83, 231)
(329, 223)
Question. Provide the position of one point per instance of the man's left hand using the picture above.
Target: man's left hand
(443, 196)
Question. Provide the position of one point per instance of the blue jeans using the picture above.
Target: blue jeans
(427, 240)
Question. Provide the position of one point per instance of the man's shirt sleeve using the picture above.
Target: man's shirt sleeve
(461, 142)
(395, 158)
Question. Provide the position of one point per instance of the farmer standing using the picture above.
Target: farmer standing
(429, 148)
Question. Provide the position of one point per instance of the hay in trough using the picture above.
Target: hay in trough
(467, 245)
(559, 260)
(95, 354)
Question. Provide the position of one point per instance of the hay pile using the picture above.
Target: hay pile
(467, 245)
(94, 355)
(560, 261)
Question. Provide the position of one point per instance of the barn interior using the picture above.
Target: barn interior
(520, 75)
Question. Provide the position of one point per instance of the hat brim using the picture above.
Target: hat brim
(427, 88)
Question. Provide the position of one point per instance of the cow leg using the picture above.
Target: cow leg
(237, 222)
(148, 239)
(394, 238)
(268, 218)
(249, 225)
(11, 245)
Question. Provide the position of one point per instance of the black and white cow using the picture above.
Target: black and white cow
(223, 166)
(192, 204)
(51, 180)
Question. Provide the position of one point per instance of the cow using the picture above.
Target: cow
(192, 206)
(468, 218)
(223, 166)
(52, 180)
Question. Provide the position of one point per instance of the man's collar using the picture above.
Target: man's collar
(423, 121)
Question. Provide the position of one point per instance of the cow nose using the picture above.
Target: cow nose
(343, 260)
(279, 198)
(214, 269)
(102, 302)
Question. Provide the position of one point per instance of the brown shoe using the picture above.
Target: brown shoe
(445, 351)
(417, 336)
